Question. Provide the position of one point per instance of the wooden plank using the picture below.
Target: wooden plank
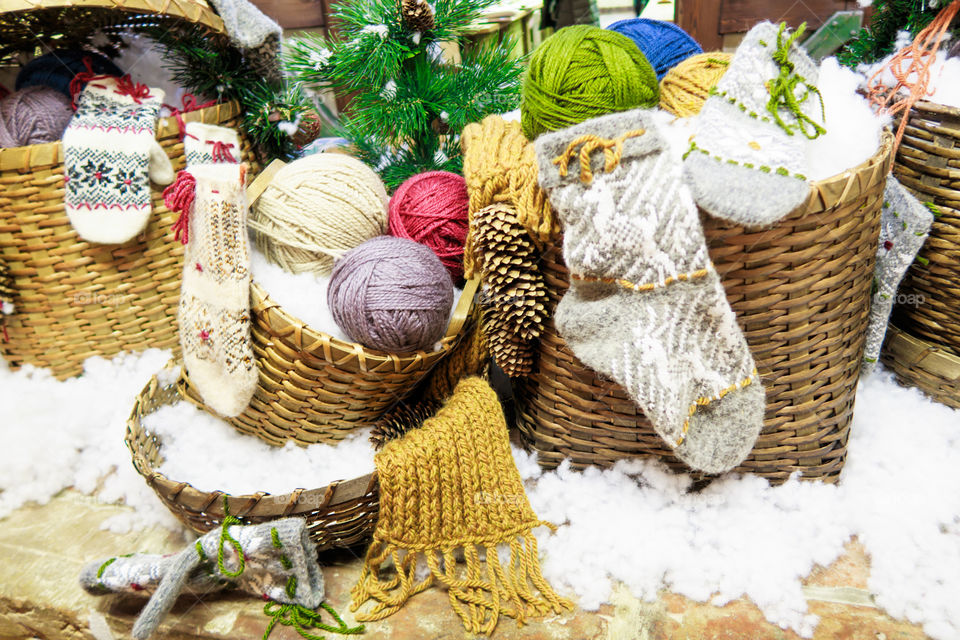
(701, 19)
(740, 15)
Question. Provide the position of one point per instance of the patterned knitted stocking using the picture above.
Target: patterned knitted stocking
(109, 150)
(645, 306)
(214, 313)
(905, 226)
(275, 561)
(746, 163)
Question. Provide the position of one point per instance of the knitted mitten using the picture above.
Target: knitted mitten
(275, 561)
(214, 313)
(905, 225)
(645, 306)
(746, 163)
(109, 150)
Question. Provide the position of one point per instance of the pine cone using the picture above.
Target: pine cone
(309, 130)
(417, 14)
(401, 418)
(515, 295)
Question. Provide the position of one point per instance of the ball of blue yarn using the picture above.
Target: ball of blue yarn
(663, 43)
(57, 68)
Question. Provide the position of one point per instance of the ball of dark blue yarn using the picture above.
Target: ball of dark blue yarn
(663, 43)
(57, 68)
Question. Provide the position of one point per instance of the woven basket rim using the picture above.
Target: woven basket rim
(51, 153)
(849, 184)
(936, 107)
(914, 352)
(261, 504)
(197, 11)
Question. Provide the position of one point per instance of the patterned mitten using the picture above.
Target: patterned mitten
(275, 561)
(905, 225)
(109, 152)
(746, 162)
(214, 313)
(645, 306)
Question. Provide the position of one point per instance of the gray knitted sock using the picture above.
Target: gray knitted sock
(743, 165)
(905, 225)
(278, 563)
(645, 306)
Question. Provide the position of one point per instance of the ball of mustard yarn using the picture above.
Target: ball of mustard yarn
(686, 87)
(316, 209)
(582, 72)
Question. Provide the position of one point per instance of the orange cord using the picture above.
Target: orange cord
(919, 55)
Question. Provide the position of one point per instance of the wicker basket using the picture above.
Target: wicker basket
(928, 163)
(918, 363)
(342, 514)
(75, 299)
(801, 292)
(316, 388)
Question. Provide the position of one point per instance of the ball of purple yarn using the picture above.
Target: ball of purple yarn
(664, 44)
(34, 115)
(391, 294)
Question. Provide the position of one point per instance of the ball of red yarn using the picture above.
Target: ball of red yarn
(431, 208)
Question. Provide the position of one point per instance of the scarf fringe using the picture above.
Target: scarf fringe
(480, 592)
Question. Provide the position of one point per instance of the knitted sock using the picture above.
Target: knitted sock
(214, 313)
(275, 561)
(109, 151)
(451, 486)
(645, 306)
(746, 162)
(905, 225)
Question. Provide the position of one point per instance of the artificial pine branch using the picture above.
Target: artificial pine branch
(408, 103)
(877, 40)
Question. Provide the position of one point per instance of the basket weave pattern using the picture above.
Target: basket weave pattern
(918, 363)
(75, 299)
(800, 290)
(928, 163)
(342, 514)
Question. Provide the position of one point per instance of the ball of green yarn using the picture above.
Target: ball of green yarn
(582, 72)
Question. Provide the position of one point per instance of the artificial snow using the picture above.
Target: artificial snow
(740, 537)
(944, 84)
(304, 295)
(208, 453)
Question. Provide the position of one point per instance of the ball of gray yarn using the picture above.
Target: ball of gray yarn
(391, 294)
(34, 115)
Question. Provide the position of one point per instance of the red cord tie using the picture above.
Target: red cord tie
(189, 102)
(136, 90)
(179, 196)
(221, 151)
(80, 80)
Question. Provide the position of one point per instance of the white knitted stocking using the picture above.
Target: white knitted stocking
(645, 306)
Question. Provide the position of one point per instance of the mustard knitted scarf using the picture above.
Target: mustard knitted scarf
(448, 486)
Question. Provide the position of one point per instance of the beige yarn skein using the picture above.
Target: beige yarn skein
(316, 209)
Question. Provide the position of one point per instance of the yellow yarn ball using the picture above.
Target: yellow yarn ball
(316, 209)
(685, 87)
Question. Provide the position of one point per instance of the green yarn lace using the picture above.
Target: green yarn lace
(302, 619)
(229, 520)
(783, 89)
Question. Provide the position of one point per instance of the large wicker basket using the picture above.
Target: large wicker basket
(75, 299)
(342, 514)
(316, 388)
(801, 292)
(928, 163)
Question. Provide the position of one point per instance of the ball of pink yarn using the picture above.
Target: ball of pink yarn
(34, 115)
(431, 208)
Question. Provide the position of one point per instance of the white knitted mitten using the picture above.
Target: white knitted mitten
(645, 306)
(110, 154)
(746, 162)
(214, 313)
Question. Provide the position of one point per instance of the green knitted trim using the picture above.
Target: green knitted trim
(870, 360)
(923, 261)
(301, 619)
(225, 536)
(747, 165)
(104, 566)
(292, 586)
(918, 233)
(275, 536)
(722, 63)
(934, 209)
(739, 105)
(200, 551)
(783, 89)
(285, 562)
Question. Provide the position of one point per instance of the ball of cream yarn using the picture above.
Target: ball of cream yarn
(316, 209)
